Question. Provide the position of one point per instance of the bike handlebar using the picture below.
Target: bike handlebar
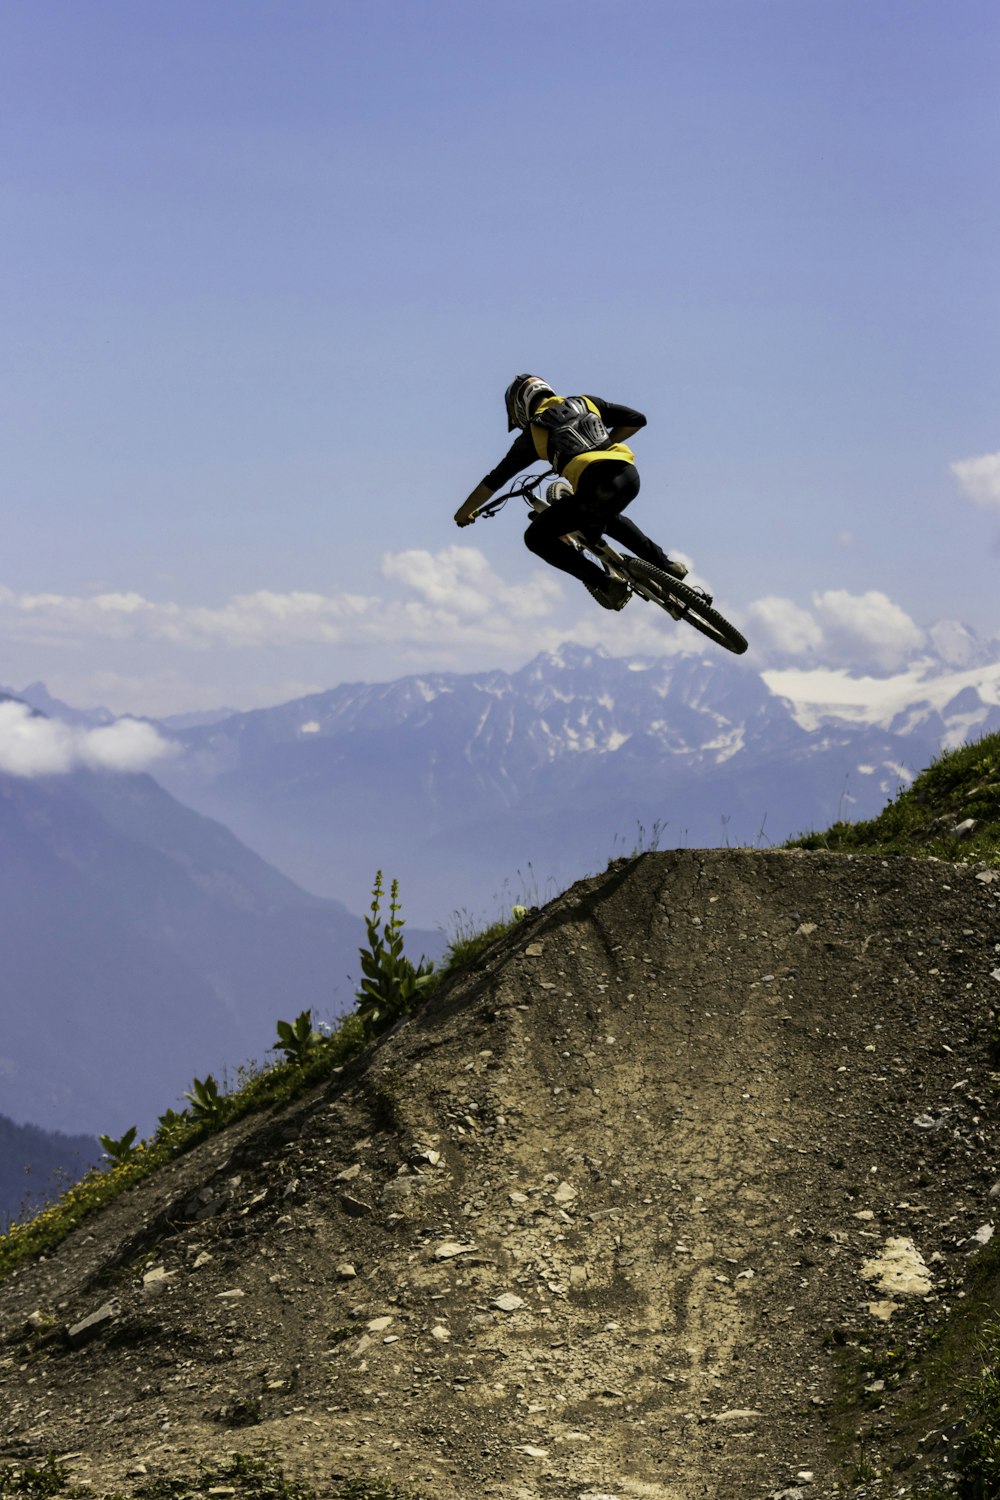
(523, 489)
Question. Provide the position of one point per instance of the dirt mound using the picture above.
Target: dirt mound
(613, 1217)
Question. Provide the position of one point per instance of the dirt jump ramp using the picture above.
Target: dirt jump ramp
(595, 1225)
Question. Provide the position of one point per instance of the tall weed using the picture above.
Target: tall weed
(392, 985)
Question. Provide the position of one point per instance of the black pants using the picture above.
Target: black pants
(606, 487)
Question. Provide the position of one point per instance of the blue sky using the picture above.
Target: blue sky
(267, 268)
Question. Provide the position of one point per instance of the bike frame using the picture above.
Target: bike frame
(601, 550)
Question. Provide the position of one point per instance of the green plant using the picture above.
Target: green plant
(206, 1101)
(977, 1460)
(392, 986)
(26, 1479)
(468, 938)
(121, 1150)
(262, 1476)
(865, 1469)
(242, 1474)
(173, 1128)
(296, 1039)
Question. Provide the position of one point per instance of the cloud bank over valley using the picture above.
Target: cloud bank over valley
(32, 745)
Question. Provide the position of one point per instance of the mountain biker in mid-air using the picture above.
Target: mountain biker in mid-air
(583, 439)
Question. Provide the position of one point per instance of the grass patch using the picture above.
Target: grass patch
(467, 944)
(47, 1478)
(951, 812)
(263, 1477)
(977, 1458)
(260, 1476)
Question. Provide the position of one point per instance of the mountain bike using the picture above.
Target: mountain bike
(680, 600)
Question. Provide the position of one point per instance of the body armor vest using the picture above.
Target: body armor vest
(573, 426)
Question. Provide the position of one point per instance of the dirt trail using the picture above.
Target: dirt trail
(595, 1224)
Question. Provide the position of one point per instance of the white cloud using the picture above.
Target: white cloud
(32, 745)
(444, 611)
(864, 632)
(777, 624)
(979, 479)
(455, 590)
(461, 581)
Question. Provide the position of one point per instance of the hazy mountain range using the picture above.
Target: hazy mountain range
(458, 782)
(146, 931)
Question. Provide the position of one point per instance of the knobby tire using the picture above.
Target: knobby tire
(667, 590)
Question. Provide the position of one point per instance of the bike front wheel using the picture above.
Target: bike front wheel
(684, 603)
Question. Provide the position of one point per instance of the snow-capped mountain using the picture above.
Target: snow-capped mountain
(470, 787)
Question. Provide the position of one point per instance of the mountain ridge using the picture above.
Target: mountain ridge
(456, 780)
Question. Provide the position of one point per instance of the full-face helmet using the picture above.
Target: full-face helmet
(520, 397)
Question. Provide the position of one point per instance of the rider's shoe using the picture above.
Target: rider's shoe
(558, 490)
(659, 559)
(614, 593)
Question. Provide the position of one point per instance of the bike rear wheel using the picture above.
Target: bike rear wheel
(685, 603)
